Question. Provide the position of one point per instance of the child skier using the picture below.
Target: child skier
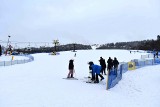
(71, 69)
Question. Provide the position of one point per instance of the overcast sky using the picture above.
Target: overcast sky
(80, 21)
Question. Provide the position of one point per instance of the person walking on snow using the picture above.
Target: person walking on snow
(96, 71)
(71, 69)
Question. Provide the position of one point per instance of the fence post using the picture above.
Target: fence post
(107, 79)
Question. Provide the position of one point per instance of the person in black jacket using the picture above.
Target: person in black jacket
(157, 54)
(103, 65)
(110, 64)
(115, 64)
(71, 69)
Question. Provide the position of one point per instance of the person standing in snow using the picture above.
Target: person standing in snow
(75, 55)
(115, 64)
(157, 54)
(96, 71)
(103, 65)
(110, 64)
(71, 69)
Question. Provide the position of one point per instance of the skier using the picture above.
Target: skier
(115, 64)
(75, 55)
(71, 69)
(96, 70)
(103, 65)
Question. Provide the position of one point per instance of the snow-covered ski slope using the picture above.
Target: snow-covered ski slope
(40, 84)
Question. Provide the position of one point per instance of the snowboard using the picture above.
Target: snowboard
(70, 78)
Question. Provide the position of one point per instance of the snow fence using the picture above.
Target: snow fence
(113, 79)
(13, 62)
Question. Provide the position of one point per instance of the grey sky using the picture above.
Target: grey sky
(81, 21)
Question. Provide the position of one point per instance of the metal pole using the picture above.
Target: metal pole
(8, 40)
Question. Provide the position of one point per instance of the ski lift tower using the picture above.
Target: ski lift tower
(8, 40)
(55, 42)
(74, 47)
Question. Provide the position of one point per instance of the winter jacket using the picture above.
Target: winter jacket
(110, 63)
(96, 69)
(115, 63)
(102, 63)
(71, 65)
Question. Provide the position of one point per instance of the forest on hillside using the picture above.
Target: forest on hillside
(134, 45)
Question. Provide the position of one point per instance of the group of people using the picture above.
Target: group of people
(113, 64)
(96, 70)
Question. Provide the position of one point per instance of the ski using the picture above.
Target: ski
(92, 82)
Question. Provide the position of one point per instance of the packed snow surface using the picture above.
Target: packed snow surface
(39, 83)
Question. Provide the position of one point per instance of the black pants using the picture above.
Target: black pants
(93, 77)
(103, 70)
(97, 77)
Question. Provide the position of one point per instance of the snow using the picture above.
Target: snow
(39, 83)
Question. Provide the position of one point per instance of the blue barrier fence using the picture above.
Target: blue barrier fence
(113, 79)
(13, 62)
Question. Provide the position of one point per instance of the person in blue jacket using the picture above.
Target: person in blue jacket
(96, 69)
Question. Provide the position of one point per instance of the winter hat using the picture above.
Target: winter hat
(90, 63)
(71, 60)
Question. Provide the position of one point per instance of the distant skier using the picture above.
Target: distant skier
(71, 69)
(115, 64)
(75, 55)
(103, 65)
(96, 71)
(110, 64)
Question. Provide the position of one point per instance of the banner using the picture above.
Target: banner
(131, 66)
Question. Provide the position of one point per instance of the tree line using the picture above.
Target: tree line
(43, 49)
(134, 45)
